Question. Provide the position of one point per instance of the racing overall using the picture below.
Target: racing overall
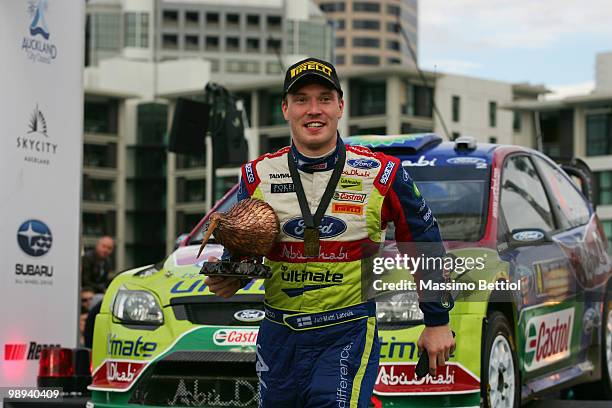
(318, 346)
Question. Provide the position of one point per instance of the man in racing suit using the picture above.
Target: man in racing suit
(318, 345)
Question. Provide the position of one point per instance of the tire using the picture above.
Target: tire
(605, 384)
(499, 381)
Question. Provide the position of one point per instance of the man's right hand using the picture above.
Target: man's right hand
(224, 286)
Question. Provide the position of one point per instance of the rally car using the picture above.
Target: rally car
(532, 314)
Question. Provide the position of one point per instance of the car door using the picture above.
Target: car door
(583, 242)
(545, 304)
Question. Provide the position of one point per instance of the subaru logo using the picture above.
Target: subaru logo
(363, 163)
(249, 315)
(34, 238)
(330, 227)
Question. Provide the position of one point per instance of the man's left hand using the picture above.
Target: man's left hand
(439, 343)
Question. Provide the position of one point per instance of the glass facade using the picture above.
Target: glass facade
(136, 30)
(419, 100)
(98, 224)
(313, 39)
(368, 98)
(152, 123)
(270, 113)
(106, 31)
(492, 114)
(98, 190)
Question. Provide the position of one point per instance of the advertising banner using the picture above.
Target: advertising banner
(41, 122)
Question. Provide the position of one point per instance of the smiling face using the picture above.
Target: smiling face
(313, 112)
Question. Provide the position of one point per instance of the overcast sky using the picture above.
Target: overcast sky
(552, 42)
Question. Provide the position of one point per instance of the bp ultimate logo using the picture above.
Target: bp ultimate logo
(36, 45)
(35, 239)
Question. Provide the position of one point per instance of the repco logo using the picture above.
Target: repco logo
(548, 339)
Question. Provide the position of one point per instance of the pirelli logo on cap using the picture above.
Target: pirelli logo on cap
(310, 66)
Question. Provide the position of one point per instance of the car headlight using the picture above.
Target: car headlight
(398, 308)
(138, 307)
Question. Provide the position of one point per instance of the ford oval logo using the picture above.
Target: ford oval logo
(330, 227)
(527, 236)
(363, 163)
(249, 315)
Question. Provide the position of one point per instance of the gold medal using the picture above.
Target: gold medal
(311, 242)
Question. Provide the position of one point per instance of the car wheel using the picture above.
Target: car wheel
(500, 374)
(606, 351)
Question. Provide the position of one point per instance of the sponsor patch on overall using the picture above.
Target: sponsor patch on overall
(355, 172)
(355, 209)
(384, 179)
(282, 188)
(364, 164)
(248, 169)
(350, 184)
(548, 338)
(350, 197)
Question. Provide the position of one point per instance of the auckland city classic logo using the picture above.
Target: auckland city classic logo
(37, 46)
(34, 238)
(35, 142)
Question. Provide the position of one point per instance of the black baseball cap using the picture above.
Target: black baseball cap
(311, 70)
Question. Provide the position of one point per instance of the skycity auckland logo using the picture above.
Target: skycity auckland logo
(36, 45)
(35, 142)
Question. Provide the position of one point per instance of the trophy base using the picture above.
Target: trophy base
(236, 269)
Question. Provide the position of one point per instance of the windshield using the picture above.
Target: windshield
(457, 196)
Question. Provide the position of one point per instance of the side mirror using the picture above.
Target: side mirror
(521, 237)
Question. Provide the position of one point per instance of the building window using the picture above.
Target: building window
(368, 98)
(366, 25)
(101, 116)
(212, 43)
(394, 61)
(274, 23)
(456, 108)
(95, 155)
(331, 7)
(273, 45)
(242, 67)
(170, 18)
(340, 59)
(273, 68)
(366, 60)
(232, 20)
(232, 44)
(598, 134)
(604, 187)
(192, 42)
(340, 41)
(492, 114)
(170, 41)
(420, 101)
(215, 64)
(212, 19)
(252, 44)
(106, 31)
(152, 124)
(393, 27)
(136, 30)
(98, 190)
(393, 45)
(393, 10)
(366, 42)
(516, 121)
(366, 6)
(253, 21)
(192, 18)
(492, 139)
(340, 24)
(455, 135)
